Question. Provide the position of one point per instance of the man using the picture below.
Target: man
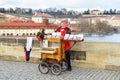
(65, 30)
(27, 54)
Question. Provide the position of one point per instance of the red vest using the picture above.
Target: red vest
(67, 43)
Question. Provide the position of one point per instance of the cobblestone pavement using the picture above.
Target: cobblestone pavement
(29, 71)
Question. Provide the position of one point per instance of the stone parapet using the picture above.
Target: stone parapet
(85, 54)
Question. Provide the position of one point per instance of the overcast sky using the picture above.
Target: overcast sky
(68, 4)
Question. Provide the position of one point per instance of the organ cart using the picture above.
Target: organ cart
(52, 56)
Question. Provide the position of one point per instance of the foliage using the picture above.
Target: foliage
(61, 13)
(97, 28)
(2, 20)
(103, 28)
(41, 34)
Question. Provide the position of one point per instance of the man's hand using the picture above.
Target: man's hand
(75, 42)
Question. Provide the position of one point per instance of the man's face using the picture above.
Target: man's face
(63, 24)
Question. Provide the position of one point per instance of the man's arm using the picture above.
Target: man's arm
(57, 29)
(68, 30)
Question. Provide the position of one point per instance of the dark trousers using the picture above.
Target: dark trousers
(67, 56)
(27, 55)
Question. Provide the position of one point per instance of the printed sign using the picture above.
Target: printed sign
(45, 43)
(29, 43)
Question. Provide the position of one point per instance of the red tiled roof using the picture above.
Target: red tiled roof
(42, 15)
(116, 18)
(17, 20)
(95, 10)
(27, 26)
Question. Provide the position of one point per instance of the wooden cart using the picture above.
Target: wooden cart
(53, 57)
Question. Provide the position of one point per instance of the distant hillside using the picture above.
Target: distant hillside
(19, 15)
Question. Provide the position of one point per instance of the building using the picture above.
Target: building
(26, 11)
(18, 10)
(16, 27)
(2, 18)
(115, 21)
(70, 20)
(112, 20)
(2, 10)
(38, 17)
(95, 12)
(23, 10)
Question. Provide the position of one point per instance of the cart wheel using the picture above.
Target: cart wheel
(64, 66)
(43, 67)
(56, 69)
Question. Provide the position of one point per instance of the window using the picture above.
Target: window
(23, 34)
(7, 34)
(11, 34)
(34, 34)
(3, 34)
(27, 34)
(30, 33)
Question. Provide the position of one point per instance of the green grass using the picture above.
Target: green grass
(2, 20)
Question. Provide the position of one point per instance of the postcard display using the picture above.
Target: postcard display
(76, 37)
(68, 36)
